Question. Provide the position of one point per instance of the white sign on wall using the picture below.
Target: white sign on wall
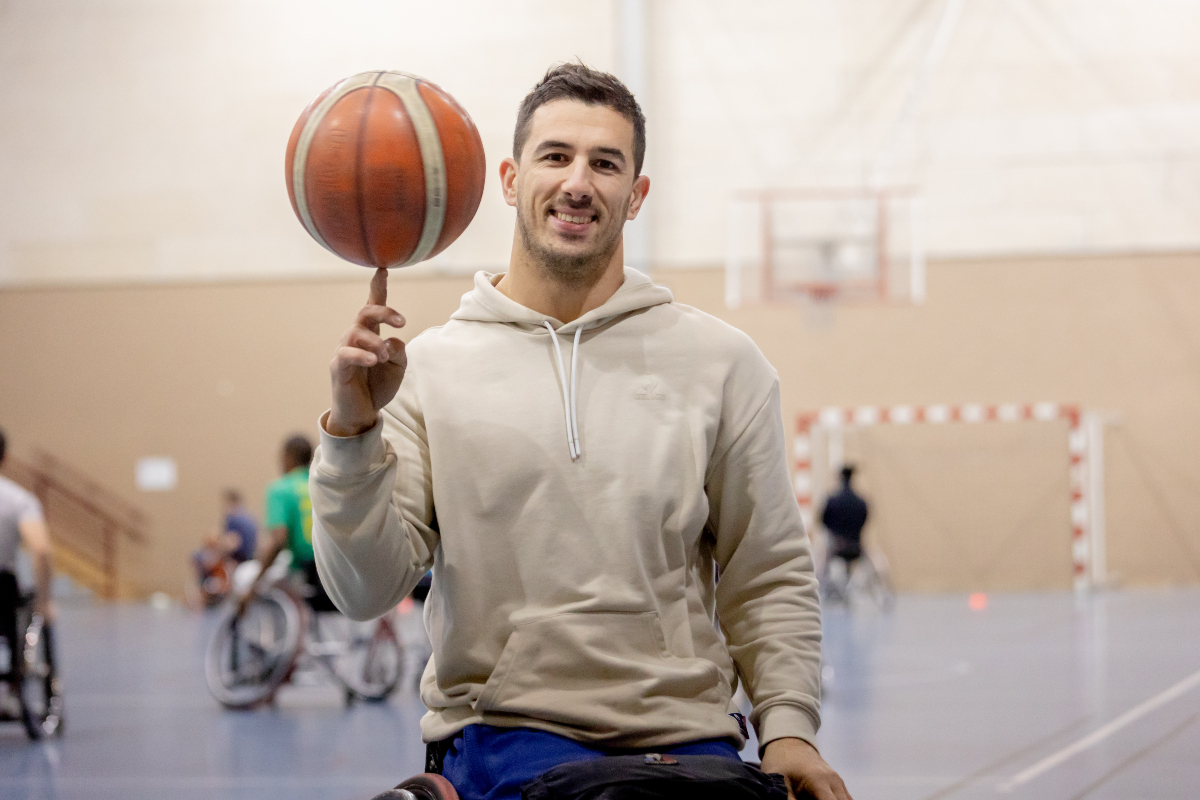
(156, 474)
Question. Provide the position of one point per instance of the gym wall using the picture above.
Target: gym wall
(145, 138)
(964, 509)
(216, 376)
(158, 296)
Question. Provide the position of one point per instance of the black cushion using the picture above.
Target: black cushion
(651, 776)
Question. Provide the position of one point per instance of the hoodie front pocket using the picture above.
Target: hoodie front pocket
(594, 670)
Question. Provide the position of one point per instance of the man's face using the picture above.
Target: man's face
(574, 188)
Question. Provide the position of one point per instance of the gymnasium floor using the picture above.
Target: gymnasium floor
(933, 701)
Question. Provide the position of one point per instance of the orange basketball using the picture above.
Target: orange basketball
(385, 169)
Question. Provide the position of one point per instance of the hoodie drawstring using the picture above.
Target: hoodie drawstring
(569, 404)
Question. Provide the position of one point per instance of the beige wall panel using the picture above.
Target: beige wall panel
(1154, 504)
(963, 508)
(216, 375)
(212, 376)
(119, 260)
(1117, 334)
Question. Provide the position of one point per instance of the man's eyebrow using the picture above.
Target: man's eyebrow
(551, 144)
(614, 152)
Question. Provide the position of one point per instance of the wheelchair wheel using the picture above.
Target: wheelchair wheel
(882, 592)
(372, 662)
(249, 656)
(867, 582)
(426, 786)
(40, 692)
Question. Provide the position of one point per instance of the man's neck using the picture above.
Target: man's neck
(536, 289)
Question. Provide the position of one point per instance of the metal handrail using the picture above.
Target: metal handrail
(52, 480)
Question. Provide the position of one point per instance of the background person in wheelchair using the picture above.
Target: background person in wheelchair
(234, 542)
(22, 524)
(288, 524)
(575, 594)
(844, 515)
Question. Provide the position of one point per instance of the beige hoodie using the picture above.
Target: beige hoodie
(576, 493)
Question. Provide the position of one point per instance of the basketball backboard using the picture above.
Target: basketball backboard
(824, 245)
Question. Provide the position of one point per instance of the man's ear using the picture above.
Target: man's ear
(508, 180)
(641, 188)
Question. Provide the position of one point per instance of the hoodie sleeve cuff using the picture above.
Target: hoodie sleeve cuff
(782, 722)
(350, 455)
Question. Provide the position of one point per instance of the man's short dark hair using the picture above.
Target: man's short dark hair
(232, 496)
(575, 81)
(299, 450)
(3, 445)
(847, 472)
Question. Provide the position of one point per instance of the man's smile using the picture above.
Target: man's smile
(571, 221)
(579, 220)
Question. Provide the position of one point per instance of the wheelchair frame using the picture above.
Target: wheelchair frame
(252, 654)
(33, 676)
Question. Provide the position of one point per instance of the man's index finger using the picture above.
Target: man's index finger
(378, 293)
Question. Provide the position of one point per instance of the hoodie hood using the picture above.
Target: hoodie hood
(486, 303)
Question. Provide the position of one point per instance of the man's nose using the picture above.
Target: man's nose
(578, 183)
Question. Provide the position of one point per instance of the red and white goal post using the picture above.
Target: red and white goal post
(1085, 445)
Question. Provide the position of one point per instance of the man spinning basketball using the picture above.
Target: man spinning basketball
(579, 458)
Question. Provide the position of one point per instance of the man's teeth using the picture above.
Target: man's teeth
(569, 218)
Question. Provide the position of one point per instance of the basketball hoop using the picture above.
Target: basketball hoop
(821, 293)
(824, 246)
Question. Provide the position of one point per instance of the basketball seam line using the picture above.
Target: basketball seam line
(359, 197)
(300, 160)
(432, 160)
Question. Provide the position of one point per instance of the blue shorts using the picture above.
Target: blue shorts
(489, 763)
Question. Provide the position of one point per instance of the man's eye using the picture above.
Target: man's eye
(556, 157)
(602, 164)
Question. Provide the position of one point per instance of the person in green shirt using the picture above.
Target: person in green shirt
(288, 521)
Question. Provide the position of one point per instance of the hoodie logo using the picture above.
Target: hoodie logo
(649, 390)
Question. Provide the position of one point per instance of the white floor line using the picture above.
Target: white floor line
(1100, 734)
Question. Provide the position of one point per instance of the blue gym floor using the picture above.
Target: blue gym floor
(1037, 696)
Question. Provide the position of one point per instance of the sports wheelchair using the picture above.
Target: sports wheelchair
(426, 786)
(30, 691)
(255, 650)
(851, 575)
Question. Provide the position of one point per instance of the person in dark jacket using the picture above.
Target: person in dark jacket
(844, 515)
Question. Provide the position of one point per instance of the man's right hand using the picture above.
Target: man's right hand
(367, 369)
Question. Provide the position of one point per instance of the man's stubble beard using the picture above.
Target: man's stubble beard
(583, 269)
